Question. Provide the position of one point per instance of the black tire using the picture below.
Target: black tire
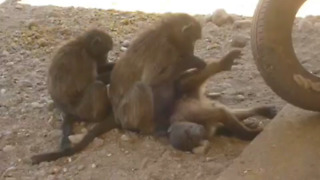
(274, 54)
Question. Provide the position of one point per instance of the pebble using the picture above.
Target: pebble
(203, 149)
(36, 105)
(8, 148)
(213, 95)
(51, 177)
(98, 142)
(19, 7)
(126, 43)
(5, 53)
(26, 83)
(210, 28)
(239, 41)
(240, 97)
(125, 137)
(80, 167)
(221, 17)
(242, 24)
(123, 49)
(74, 139)
(93, 165)
(10, 178)
(3, 91)
(55, 170)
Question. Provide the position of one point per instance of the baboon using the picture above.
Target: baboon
(193, 115)
(142, 81)
(77, 80)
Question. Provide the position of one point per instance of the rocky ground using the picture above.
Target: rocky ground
(29, 124)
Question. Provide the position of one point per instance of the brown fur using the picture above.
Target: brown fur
(193, 116)
(77, 81)
(142, 81)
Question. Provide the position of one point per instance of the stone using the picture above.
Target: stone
(239, 41)
(242, 24)
(221, 17)
(8, 148)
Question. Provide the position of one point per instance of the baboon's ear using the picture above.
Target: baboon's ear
(186, 28)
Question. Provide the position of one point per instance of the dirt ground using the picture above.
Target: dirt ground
(29, 124)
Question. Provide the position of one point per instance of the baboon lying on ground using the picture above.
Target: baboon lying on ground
(77, 81)
(194, 115)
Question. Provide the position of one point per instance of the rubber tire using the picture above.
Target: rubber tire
(273, 51)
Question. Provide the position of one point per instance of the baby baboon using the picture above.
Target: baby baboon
(142, 81)
(77, 81)
(193, 116)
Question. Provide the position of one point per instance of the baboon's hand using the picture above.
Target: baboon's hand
(228, 61)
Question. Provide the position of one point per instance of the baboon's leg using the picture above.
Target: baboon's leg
(208, 116)
(136, 110)
(233, 124)
(100, 128)
(67, 123)
(190, 83)
(95, 104)
(265, 111)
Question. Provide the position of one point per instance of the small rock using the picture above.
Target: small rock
(37, 105)
(80, 167)
(213, 95)
(125, 137)
(93, 165)
(26, 83)
(10, 63)
(210, 28)
(32, 25)
(18, 6)
(8, 148)
(242, 24)
(109, 155)
(209, 159)
(42, 43)
(239, 41)
(304, 25)
(98, 142)
(221, 17)
(84, 130)
(240, 97)
(55, 170)
(51, 177)
(203, 149)
(123, 49)
(3, 91)
(10, 178)
(76, 138)
(5, 53)
(126, 43)
(64, 170)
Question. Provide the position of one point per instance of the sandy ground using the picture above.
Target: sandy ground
(29, 124)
